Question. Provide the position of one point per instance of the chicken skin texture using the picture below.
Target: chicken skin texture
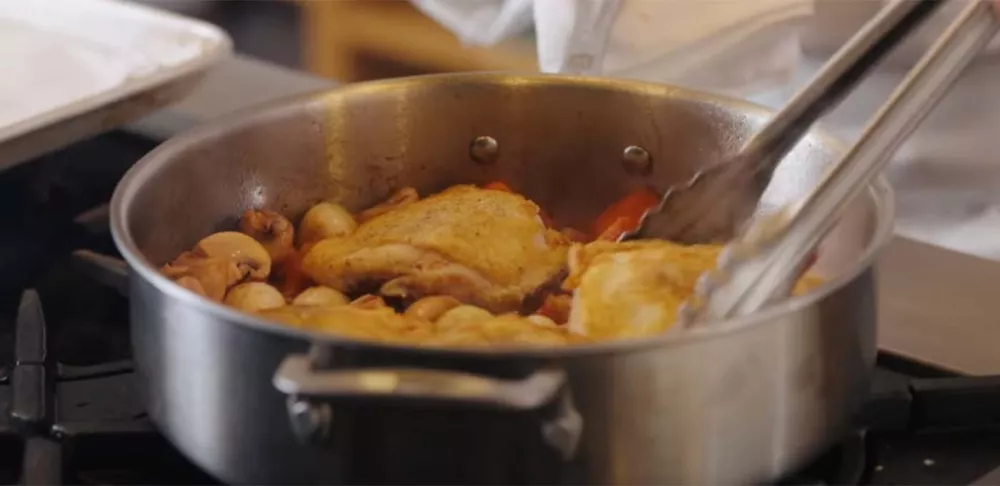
(634, 289)
(484, 247)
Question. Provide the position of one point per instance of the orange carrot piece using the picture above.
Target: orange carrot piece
(556, 307)
(498, 186)
(630, 208)
(292, 279)
(616, 229)
(575, 235)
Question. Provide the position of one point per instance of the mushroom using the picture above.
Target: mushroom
(432, 308)
(400, 198)
(461, 316)
(541, 320)
(274, 231)
(214, 275)
(248, 254)
(191, 284)
(369, 301)
(254, 296)
(319, 296)
(556, 307)
(325, 220)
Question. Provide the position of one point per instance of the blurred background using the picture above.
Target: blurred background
(350, 40)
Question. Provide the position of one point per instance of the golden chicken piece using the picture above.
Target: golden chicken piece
(483, 247)
(372, 324)
(401, 198)
(634, 289)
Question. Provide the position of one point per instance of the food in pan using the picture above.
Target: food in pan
(487, 248)
(635, 288)
(468, 266)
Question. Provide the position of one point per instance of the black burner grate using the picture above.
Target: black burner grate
(844, 464)
(82, 424)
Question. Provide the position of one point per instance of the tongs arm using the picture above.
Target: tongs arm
(765, 261)
(718, 199)
(837, 78)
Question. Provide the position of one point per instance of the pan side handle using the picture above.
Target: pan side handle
(296, 377)
(311, 393)
(105, 269)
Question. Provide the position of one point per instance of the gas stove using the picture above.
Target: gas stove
(74, 415)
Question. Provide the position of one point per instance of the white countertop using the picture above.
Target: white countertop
(936, 305)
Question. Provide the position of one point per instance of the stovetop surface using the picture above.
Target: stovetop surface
(74, 417)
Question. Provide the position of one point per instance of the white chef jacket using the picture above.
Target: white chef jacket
(947, 176)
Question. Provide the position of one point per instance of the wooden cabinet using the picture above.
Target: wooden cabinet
(356, 40)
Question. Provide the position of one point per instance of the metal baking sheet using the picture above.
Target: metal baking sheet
(76, 68)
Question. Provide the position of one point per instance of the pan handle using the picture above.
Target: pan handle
(311, 391)
(107, 270)
(295, 376)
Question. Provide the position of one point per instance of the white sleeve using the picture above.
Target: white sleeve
(573, 34)
(728, 46)
(479, 22)
(723, 46)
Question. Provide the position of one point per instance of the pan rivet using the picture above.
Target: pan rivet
(636, 160)
(310, 422)
(484, 150)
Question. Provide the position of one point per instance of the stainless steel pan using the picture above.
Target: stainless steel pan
(255, 402)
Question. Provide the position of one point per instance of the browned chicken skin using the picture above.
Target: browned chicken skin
(484, 247)
(635, 288)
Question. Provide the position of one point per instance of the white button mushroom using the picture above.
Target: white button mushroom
(247, 252)
(432, 308)
(325, 220)
(274, 231)
(320, 296)
(254, 296)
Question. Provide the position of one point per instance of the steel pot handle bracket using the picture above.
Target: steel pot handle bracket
(311, 391)
(107, 270)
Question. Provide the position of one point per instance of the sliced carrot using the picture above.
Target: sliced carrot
(616, 229)
(575, 235)
(631, 208)
(546, 219)
(498, 186)
(556, 307)
(293, 279)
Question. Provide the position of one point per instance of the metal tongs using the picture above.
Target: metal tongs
(764, 262)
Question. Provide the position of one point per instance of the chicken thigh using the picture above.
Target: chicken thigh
(634, 289)
(484, 247)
